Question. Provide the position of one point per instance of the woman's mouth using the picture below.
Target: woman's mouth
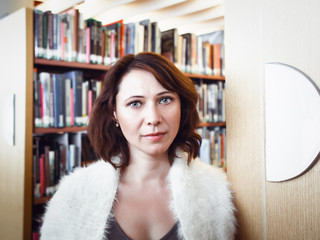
(154, 137)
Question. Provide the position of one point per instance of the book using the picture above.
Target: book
(56, 26)
(169, 39)
(37, 99)
(68, 102)
(213, 40)
(42, 175)
(38, 36)
(36, 166)
(217, 59)
(188, 50)
(115, 33)
(85, 101)
(146, 34)
(76, 78)
(59, 104)
(45, 86)
(45, 33)
(49, 37)
(155, 38)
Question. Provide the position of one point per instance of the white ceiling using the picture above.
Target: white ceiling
(196, 16)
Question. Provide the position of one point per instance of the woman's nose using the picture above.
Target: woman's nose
(153, 115)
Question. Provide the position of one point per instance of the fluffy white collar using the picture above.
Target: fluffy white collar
(201, 202)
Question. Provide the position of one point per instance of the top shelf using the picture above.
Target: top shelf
(100, 67)
(64, 64)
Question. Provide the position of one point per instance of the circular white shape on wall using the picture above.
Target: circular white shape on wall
(292, 112)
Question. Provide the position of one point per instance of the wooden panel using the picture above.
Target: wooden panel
(244, 113)
(273, 31)
(293, 207)
(15, 60)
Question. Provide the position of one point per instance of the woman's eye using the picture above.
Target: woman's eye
(135, 104)
(165, 100)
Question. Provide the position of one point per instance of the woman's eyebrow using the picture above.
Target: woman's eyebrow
(165, 92)
(158, 94)
(134, 96)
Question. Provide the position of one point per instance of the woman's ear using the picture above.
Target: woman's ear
(115, 116)
(115, 119)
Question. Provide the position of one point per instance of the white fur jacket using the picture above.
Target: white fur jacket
(201, 202)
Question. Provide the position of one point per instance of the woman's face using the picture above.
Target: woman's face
(148, 114)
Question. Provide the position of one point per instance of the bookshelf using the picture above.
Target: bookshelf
(25, 125)
(93, 68)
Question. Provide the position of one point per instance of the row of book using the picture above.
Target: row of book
(211, 103)
(213, 146)
(66, 99)
(66, 36)
(56, 155)
(63, 99)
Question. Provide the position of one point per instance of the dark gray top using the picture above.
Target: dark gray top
(116, 233)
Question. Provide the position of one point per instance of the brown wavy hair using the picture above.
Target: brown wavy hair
(108, 140)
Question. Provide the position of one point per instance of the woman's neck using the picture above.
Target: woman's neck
(146, 170)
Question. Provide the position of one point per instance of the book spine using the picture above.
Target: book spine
(45, 33)
(88, 45)
(42, 175)
(77, 79)
(45, 96)
(47, 169)
(68, 102)
(50, 36)
(71, 108)
(62, 47)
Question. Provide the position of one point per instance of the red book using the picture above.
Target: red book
(119, 43)
(42, 176)
(112, 47)
(35, 236)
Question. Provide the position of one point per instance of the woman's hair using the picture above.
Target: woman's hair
(108, 140)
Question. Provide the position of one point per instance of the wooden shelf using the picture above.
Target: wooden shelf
(60, 130)
(81, 129)
(100, 67)
(74, 65)
(203, 76)
(41, 200)
(215, 124)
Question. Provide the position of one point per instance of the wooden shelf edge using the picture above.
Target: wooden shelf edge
(60, 130)
(100, 67)
(81, 129)
(41, 200)
(203, 76)
(58, 63)
(215, 124)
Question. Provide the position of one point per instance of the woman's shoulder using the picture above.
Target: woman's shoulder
(205, 171)
(82, 193)
(89, 174)
(199, 171)
(202, 194)
(86, 181)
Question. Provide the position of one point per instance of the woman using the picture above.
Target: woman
(150, 184)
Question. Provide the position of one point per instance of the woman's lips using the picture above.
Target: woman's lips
(154, 137)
